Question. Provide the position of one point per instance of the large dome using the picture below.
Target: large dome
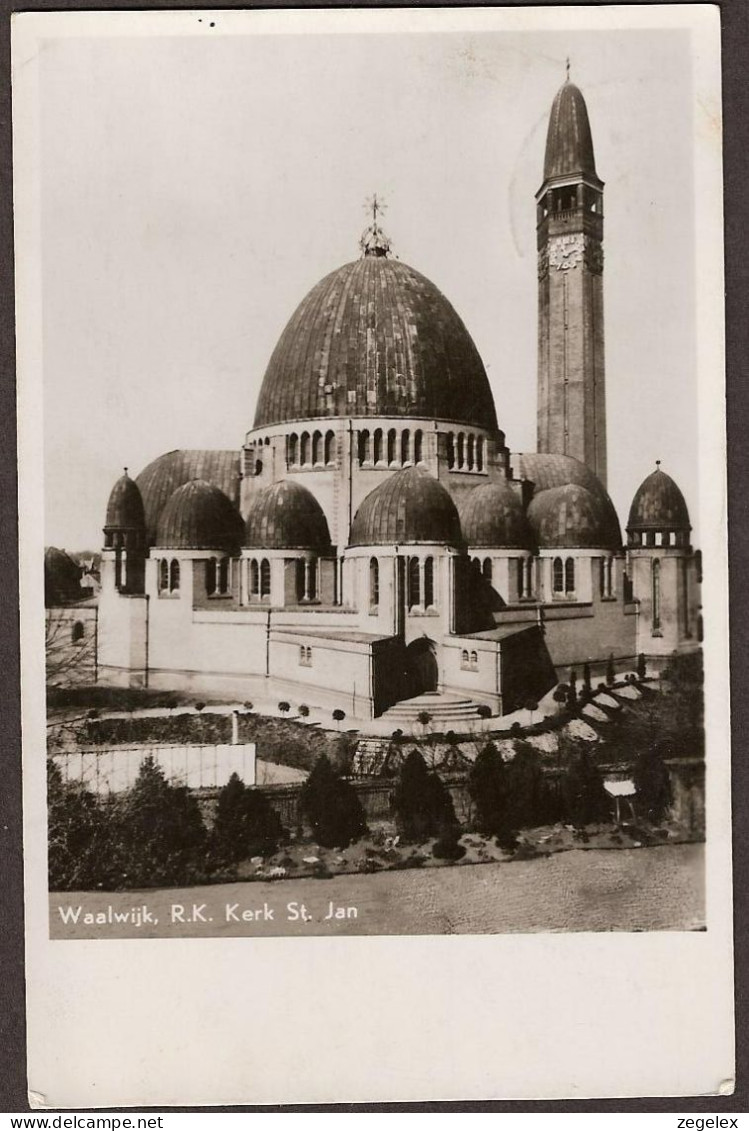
(286, 516)
(409, 507)
(161, 478)
(375, 338)
(125, 506)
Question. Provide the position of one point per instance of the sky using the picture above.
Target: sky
(193, 189)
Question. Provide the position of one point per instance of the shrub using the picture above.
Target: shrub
(484, 711)
(424, 718)
(642, 667)
(284, 707)
(79, 853)
(610, 670)
(422, 805)
(245, 825)
(448, 846)
(160, 831)
(488, 787)
(585, 798)
(332, 807)
(652, 785)
(248, 705)
(199, 705)
(516, 728)
(303, 711)
(339, 716)
(528, 803)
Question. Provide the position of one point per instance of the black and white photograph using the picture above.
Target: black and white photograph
(371, 423)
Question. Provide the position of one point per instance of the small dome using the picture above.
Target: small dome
(200, 517)
(410, 506)
(569, 143)
(125, 506)
(492, 515)
(375, 338)
(286, 516)
(572, 517)
(161, 478)
(658, 505)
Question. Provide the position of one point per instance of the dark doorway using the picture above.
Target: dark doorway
(422, 672)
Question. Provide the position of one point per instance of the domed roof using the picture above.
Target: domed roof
(161, 478)
(492, 515)
(375, 338)
(125, 506)
(62, 578)
(410, 506)
(658, 505)
(572, 517)
(200, 517)
(547, 469)
(286, 516)
(569, 143)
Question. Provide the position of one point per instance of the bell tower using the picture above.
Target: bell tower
(569, 225)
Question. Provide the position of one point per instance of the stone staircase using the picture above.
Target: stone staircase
(448, 712)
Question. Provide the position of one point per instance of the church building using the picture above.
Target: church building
(374, 537)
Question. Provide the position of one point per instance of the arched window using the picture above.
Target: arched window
(414, 588)
(656, 579)
(374, 583)
(391, 445)
(474, 659)
(569, 576)
(464, 659)
(377, 454)
(317, 447)
(293, 449)
(450, 450)
(418, 445)
(461, 450)
(558, 576)
(429, 583)
(265, 578)
(521, 578)
(405, 446)
(223, 576)
(486, 569)
(469, 452)
(304, 449)
(254, 578)
(174, 576)
(258, 467)
(77, 634)
(163, 574)
(363, 447)
(210, 576)
(480, 453)
(330, 447)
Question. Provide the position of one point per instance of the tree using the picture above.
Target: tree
(339, 716)
(424, 719)
(448, 846)
(489, 788)
(585, 798)
(284, 707)
(79, 853)
(303, 711)
(587, 688)
(531, 705)
(652, 785)
(331, 806)
(70, 647)
(642, 667)
(160, 830)
(423, 806)
(484, 711)
(561, 693)
(245, 824)
(610, 671)
(528, 797)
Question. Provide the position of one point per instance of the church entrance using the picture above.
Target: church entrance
(422, 671)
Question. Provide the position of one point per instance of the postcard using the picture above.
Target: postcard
(373, 554)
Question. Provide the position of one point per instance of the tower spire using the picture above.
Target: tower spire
(569, 223)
